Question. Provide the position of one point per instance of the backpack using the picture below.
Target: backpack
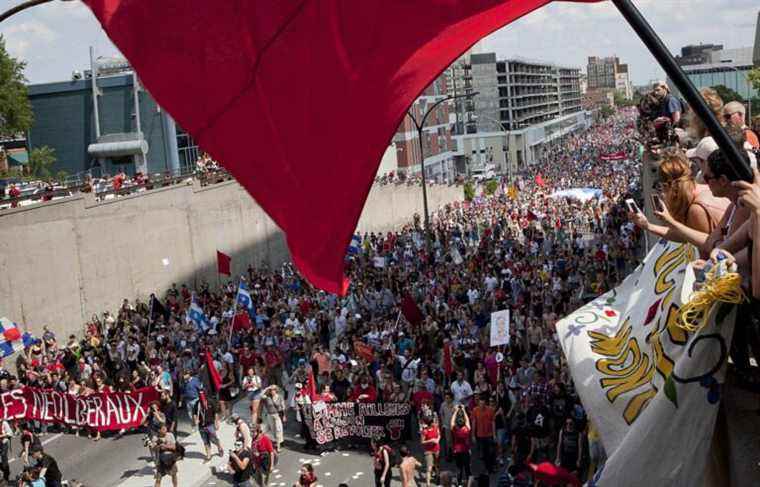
(179, 451)
(393, 456)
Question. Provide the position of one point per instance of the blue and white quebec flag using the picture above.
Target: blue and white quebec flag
(356, 244)
(244, 297)
(196, 315)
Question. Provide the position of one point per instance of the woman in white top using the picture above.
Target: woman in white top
(252, 387)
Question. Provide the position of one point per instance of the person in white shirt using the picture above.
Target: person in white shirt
(461, 389)
(473, 295)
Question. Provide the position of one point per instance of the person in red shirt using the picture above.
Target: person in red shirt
(485, 431)
(14, 192)
(460, 438)
(263, 454)
(421, 396)
(307, 478)
(430, 436)
(273, 360)
(364, 392)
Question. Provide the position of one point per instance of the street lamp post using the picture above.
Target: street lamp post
(420, 126)
(506, 142)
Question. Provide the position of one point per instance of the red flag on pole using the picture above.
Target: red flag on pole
(540, 180)
(216, 379)
(223, 262)
(551, 474)
(216, 63)
(411, 311)
(311, 386)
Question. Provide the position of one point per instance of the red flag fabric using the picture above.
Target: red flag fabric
(411, 311)
(551, 474)
(540, 180)
(216, 64)
(241, 321)
(223, 262)
(311, 386)
(448, 363)
(216, 379)
(364, 351)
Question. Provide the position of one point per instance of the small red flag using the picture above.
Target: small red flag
(551, 474)
(540, 180)
(223, 262)
(364, 351)
(311, 386)
(411, 311)
(448, 363)
(216, 379)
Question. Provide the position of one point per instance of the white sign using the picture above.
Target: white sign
(648, 385)
(500, 328)
(379, 261)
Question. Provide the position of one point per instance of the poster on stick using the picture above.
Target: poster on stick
(100, 411)
(332, 421)
(500, 328)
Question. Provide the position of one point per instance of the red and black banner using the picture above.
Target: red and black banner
(333, 421)
(99, 411)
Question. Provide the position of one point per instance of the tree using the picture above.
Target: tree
(754, 79)
(727, 94)
(41, 162)
(606, 111)
(469, 191)
(491, 187)
(15, 109)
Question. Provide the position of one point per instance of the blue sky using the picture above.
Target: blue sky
(54, 38)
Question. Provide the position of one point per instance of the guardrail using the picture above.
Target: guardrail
(155, 181)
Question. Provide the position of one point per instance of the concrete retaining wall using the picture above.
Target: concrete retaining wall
(64, 260)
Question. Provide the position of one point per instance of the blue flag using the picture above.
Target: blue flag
(244, 298)
(196, 315)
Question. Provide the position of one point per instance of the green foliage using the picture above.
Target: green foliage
(606, 111)
(754, 79)
(469, 191)
(621, 100)
(41, 162)
(727, 94)
(491, 186)
(15, 109)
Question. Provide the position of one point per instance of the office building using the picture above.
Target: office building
(520, 105)
(697, 54)
(603, 72)
(436, 140)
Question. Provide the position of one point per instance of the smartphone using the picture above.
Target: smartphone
(632, 206)
(657, 203)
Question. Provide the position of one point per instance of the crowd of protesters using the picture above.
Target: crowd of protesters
(520, 249)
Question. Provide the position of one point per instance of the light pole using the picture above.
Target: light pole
(420, 126)
(506, 142)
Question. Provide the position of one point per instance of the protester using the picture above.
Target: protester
(408, 468)
(48, 467)
(165, 448)
(241, 464)
(381, 461)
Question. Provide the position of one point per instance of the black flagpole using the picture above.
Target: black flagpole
(685, 86)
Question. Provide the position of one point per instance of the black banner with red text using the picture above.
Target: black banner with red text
(333, 421)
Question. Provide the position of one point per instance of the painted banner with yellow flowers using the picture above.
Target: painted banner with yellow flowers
(650, 387)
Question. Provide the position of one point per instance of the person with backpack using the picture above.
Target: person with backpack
(241, 464)
(165, 447)
(382, 455)
(208, 425)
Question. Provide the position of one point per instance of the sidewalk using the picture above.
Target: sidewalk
(192, 470)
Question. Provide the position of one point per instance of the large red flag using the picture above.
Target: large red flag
(411, 311)
(292, 76)
(223, 262)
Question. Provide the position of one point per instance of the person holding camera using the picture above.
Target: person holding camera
(48, 467)
(165, 447)
(241, 464)
(460, 438)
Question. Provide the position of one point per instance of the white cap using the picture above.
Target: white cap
(703, 150)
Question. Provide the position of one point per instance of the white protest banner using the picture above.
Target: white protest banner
(651, 388)
(500, 328)
(379, 262)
